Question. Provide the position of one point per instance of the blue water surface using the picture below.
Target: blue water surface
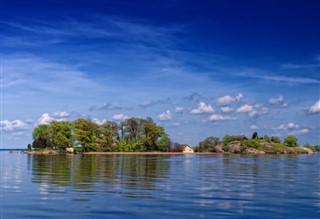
(162, 186)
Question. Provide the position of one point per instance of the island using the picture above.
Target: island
(138, 135)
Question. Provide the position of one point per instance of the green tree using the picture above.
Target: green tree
(107, 136)
(208, 144)
(61, 134)
(149, 134)
(85, 134)
(290, 141)
(42, 137)
(164, 143)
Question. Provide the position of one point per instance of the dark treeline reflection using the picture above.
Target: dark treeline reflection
(84, 172)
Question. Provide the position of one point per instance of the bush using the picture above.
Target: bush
(251, 143)
(290, 141)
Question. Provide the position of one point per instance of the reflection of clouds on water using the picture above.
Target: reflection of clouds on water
(12, 173)
(213, 186)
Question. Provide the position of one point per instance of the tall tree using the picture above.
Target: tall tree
(61, 134)
(42, 137)
(107, 136)
(85, 133)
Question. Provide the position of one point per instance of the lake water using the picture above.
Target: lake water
(177, 186)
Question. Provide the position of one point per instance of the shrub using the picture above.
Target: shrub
(290, 141)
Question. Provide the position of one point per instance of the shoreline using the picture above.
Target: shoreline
(150, 153)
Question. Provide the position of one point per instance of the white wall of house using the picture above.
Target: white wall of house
(188, 149)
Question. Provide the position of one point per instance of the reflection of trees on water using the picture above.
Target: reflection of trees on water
(109, 172)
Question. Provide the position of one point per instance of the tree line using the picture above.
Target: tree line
(133, 134)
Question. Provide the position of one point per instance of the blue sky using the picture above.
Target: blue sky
(198, 68)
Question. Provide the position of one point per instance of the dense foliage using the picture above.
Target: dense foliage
(133, 134)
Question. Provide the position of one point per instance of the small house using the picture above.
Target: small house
(188, 149)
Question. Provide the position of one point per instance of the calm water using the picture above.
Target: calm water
(180, 186)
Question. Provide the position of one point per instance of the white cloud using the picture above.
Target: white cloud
(45, 118)
(253, 110)
(304, 131)
(290, 125)
(99, 122)
(276, 101)
(120, 117)
(203, 109)
(216, 117)
(228, 100)
(315, 108)
(245, 108)
(15, 125)
(253, 127)
(167, 115)
(179, 109)
(226, 109)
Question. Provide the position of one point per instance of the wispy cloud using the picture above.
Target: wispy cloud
(268, 76)
(150, 103)
(109, 106)
(179, 109)
(217, 117)
(297, 66)
(226, 109)
(120, 117)
(276, 101)
(116, 29)
(31, 72)
(194, 97)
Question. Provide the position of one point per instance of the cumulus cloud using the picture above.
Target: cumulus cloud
(253, 110)
(315, 108)
(167, 115)
(216, 117)
(292, 129)
(15, 125)
(46, 118)
(179, 109)
(99, 122)
(226, 109)
(203, 109)
(276, 101)
(253, 127)
(120, 117)
(228, 100)
(290, 125)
